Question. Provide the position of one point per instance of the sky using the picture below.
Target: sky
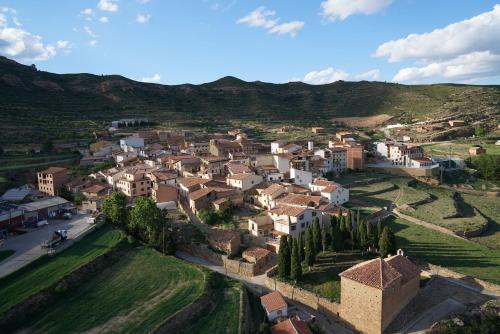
(314, 41)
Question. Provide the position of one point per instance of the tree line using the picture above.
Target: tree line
(339, 234)
(145, 221)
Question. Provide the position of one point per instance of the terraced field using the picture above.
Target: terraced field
(224, 319)
(135, 295)
(466, 257)
(47, 270)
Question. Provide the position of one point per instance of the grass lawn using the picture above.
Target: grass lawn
(465, 257)
(461, 148)
(134, 295)
(323, 278)
(47, 270)
(225, 317)
(5, 254)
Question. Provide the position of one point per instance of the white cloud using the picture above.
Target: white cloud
(93, 42)
(261, 17)
(153, 79)
(90, 32)
(265, 18)
(142, 18)
(468, 67)
(480, 33)
(325, 76)
(62, 44)
(103, 19)
(369, 75)
(21, 45)
(16, 21)
(87, 12)
(287, 28)
(3, 20)
(107, 5)
(341, 9)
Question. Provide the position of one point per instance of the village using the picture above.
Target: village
(248, 199)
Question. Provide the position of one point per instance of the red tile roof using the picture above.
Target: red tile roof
(273, 188)
(256, 252)
(291, 326)
(192, 181)
(273, 301)
(381, 273)
(292, 211)
(195, 195)
(299, 199)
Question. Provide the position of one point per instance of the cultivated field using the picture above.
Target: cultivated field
(46, 270)
(135, 295)
(460, 148)
(364, 122)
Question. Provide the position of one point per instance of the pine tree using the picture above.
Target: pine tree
(284, 258)
(338, 238)
(316, 236)
(330, 232)
(310, 250)
(387, 242)
(326, 237)
(296, 267)
(300, 245)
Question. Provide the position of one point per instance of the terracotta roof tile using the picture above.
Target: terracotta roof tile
(256, 252)
(273, 301)
(292, 211)
(291, 326)
(273, 188)
(299, 199)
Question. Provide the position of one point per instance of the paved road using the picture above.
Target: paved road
(256, 284)
(27, 246)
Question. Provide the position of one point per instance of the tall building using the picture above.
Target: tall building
(52, 179)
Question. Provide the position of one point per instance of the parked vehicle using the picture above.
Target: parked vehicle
(58, 237)
(67, 215)
(42, 223)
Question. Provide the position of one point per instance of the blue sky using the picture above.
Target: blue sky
(316, 41)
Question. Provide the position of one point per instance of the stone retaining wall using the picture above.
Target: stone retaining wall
(302, 296)
(473, 282)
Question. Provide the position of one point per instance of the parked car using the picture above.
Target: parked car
(42, 223)
(67, 215)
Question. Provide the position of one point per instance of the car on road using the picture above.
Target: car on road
(42, 223)
(67, 215)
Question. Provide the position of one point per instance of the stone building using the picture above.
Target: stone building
(51, 179)
(375, 291)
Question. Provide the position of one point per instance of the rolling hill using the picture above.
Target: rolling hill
(35, 105)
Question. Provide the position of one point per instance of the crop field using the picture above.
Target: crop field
(47, 270)
(224, 318)
(27, 162)
(349, 178)
(134, 295)
(466, 257)
(490, 208)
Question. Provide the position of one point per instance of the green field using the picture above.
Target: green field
(460, 148)
(134, 295)
(224, 318)
(490, 207)
(47, 270)
(465, 257)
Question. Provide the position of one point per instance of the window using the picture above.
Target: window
(314, 213)
(303, 225)
(301, 217)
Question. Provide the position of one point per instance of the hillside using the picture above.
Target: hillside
(36, 104)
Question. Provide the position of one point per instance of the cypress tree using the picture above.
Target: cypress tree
(387, 242)
(326, 236)
(281, 257)
(289, 239)
(379, 230)
(348, 224)
(300, 245)
(310, 251)
(339, 215)
(330, 232)
(342, 224)
(296, 270)
(338, 238)
(358, 218)
(370, 237)
(362, 236)
(316, 236)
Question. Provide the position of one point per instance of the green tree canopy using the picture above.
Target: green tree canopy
(387, 242)
(310, 250)
(316, 236)
(147, 220)
(296, 267)
(115, 209)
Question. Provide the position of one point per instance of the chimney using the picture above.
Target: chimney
(310, 145)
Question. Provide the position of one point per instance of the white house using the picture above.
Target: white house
(131, 144)
(291, 220)
(331, 191)
(276, 145)
(301, 177)
(243, 181)
(275, 306)
(282, 162)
